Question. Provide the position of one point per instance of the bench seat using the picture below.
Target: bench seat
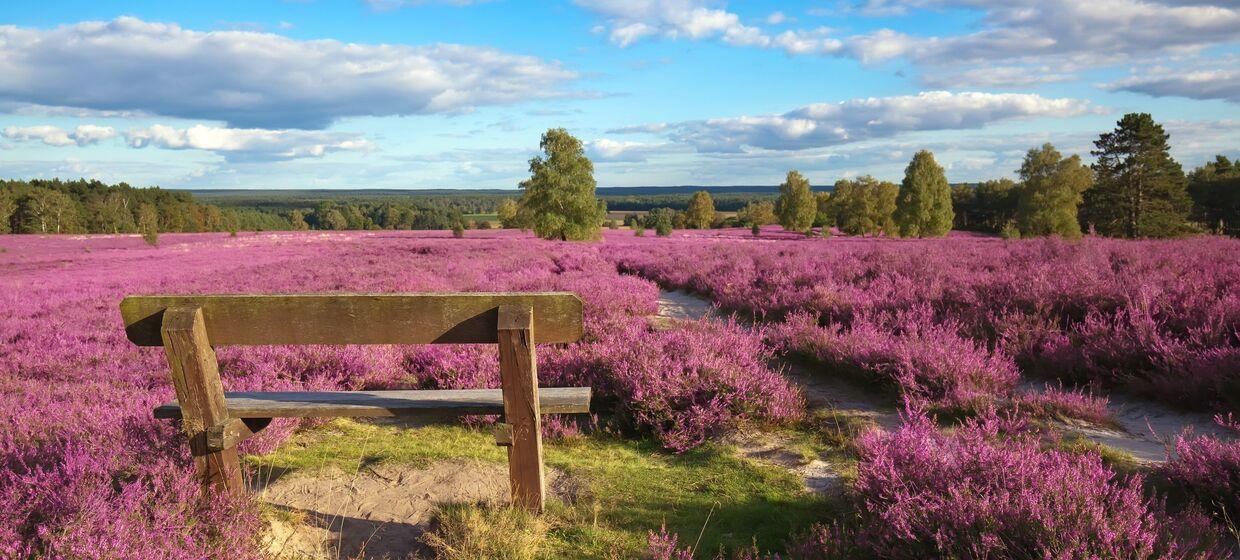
(312, 404)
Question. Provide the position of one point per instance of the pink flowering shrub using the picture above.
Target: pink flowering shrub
(1159, 317)
(682, 385)
(989, 491)
(928, 364)
(1052, 402)
(1208, 470)
(84, 466)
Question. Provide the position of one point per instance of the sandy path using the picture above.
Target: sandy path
(1147, 427)
(824, 393)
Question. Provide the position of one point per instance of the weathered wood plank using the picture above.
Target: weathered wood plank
(518, 372)
(312, 404)
(228, 434)
(460, 318)
(196, 377)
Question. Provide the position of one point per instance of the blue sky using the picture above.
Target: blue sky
(455, 93)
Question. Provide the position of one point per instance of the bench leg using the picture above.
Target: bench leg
(519, 377)
(196, 376)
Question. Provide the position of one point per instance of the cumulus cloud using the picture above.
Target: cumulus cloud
(1040, 41)
(827, 124)
(238, 144)
(1099, 31)
(258, 80)
(1221, 84)
(83, 135)
(608, 150)
(628, 22)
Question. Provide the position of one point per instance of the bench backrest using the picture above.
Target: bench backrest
(431, 318)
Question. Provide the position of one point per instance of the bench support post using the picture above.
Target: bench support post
(196, 376)
(519, 378)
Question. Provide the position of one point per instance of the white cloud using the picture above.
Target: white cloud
(1219, 83)
(83, 135)
(238, 144)
(607, 150)
(1098, 31)
(639, 128)
(997, 76)
(628, 22)
(827, 124)
(249, 79)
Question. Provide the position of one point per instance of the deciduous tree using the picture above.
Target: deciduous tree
(507, 213)
(1050, 193)
(148, 224)
(924, 203)
(757, 213)
(559, 196)
(701, 211)
(299, 220)
(796, 206)
(1139, 190)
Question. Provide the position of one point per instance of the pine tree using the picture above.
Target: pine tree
(1215, 190)
(701, 211)
(796, 206)
(924, 203)
(1050, 193)
(1139, 190)
(559, 198)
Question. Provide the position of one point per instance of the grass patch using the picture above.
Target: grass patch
(624, 488)
(467, 532)
(1120, 461)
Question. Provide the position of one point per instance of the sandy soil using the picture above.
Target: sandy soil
(1149, 428)
(378, 512)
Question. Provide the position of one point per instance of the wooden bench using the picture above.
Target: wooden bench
(215, 421)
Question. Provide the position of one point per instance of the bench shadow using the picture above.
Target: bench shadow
(348, 537)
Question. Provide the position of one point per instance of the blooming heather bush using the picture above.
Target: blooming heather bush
(1161, 317)
(681, 385)
(1052, 402)
(84, 467)
(928, 364)
(987, 491)
(1208, 469)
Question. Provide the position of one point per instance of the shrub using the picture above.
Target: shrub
(756, 230)
(458, 230)
(639, 231)
(1208, 470)
(682, 386)
(929, 364)
(662, 228)
(987, 491)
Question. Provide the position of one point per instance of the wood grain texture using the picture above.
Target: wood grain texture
(330, 404)
(519, 378)
(196, 377)
(431, 318)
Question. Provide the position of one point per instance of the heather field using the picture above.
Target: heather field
(962, 336)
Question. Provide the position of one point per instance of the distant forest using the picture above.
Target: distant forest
(89, 206)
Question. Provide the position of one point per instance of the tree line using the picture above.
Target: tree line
(1135, 189)
(91, 206)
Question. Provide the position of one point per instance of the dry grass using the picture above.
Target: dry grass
(471, 532)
